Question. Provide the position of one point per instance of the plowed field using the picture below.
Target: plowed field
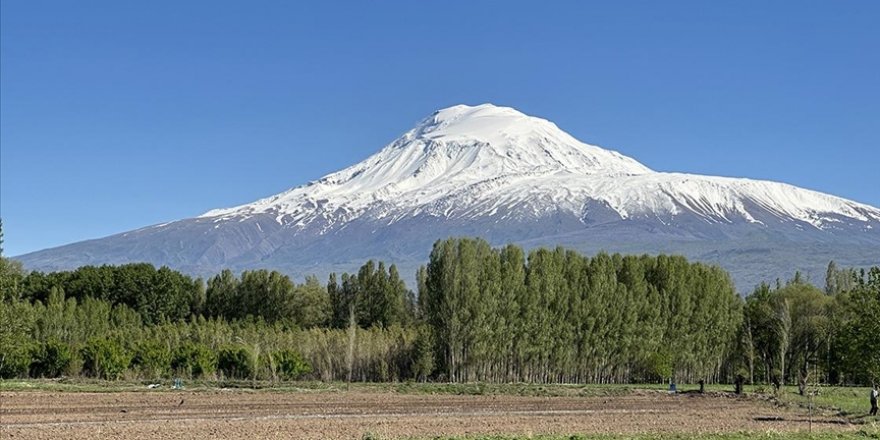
(238, 414)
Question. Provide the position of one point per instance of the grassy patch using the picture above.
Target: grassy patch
(103, 386)
(858, 435)
(851, 402)
(515, 389)
(94, 385)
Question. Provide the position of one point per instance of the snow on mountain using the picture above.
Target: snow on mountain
(496, 173)
(466, 162)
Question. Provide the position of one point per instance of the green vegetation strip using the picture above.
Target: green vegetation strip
(552, 390)
(483, 317)
(864, 434)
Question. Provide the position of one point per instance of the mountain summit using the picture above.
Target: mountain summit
(456, 148)
(497, 173)
(476, 161)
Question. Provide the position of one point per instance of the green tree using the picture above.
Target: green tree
(11, 274)
(311, 304)
(857, 340)
(222, 296)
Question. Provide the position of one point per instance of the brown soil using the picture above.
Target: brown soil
(252, 415)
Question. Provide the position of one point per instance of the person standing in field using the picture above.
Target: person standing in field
(874, 394)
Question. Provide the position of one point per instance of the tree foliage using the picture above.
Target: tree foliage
(796, 332)
(564, 317)
(480, 314)
(377, 296)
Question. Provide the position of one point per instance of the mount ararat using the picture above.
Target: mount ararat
(496, 173)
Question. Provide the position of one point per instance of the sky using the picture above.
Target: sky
(118, 115)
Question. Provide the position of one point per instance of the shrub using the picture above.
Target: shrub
(194, 360)
(290, 364)
(16, 345)
(154, 359)
(75, 366)
(14, 360)
(235, 362)
(50, 359)
(659, 365)
(105, 358)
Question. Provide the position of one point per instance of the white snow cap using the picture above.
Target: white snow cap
(468, 161)
(528, 140)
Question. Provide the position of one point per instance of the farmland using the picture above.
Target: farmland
(43, 410)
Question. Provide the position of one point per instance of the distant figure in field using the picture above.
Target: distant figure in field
(874, 394)
(702, 386)
(802, 385)
(739, 383)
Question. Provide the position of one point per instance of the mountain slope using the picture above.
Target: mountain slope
(497, 173)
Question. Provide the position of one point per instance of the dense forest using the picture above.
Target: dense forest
(477, 314)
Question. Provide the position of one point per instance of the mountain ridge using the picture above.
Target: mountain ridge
(509, 177)
(485, 144)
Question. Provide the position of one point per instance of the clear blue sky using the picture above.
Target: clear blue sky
(116, 115)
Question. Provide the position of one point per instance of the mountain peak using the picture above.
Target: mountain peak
(465, 113)
(477, 160)
(456, 147)
(498, 173)
(516, 140)
(486, 123)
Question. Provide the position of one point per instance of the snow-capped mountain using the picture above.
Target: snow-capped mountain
(497, 173)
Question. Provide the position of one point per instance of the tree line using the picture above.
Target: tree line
(795, 333)
(93, 338)
(477, 313)
(558, 316)
(376, 295)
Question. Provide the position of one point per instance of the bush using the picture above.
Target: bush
(15, 360)
(659, 365)
(16, 344)
(75, 366)
(50, 359)
(154, 359)
(290, 365)
(235, 362)
(105, 358)
(194, 360)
